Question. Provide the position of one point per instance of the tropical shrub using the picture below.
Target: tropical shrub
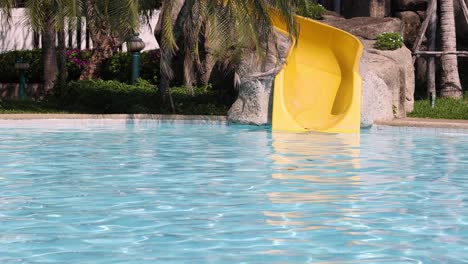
(205, 101)
(313, 10)
(107, 97)
(113, 97)
(389, 41)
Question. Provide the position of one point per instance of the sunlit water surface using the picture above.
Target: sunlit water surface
(150, 192)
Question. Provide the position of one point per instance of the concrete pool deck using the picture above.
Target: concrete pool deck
(446, 124)
(114, 117)
(426, 123)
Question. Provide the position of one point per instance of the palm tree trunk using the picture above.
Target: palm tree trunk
(61, 59)
(104, 47)
(49, 55)
(451, 86)
(209, 60)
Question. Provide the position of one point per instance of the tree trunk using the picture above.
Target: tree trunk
(61, 59)
(104, 47)
(177, 17)
(49, 55)
(451, 86)
(209, 60)
(431, 70)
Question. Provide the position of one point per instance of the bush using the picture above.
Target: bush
(389, 41)
(113, 97)
(205, 101)
(8, 73)
(108, 97)
(313, 10)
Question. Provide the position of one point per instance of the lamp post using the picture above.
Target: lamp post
(135, 45)
(22, 67)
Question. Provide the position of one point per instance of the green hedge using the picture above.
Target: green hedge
(107, 97)
(113, 97)
(117, 67)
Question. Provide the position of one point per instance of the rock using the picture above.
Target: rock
(363, 8)
(253, 105)
(368, 27)
(411, 24)
(375, 99)
(396, 70)
(404, 5)
(422, 15)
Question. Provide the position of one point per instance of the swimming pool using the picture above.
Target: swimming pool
(155, 192)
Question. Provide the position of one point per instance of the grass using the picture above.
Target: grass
(444, 108)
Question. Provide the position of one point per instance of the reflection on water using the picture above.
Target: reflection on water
(155, 193)
(315, 172)
(335, 193)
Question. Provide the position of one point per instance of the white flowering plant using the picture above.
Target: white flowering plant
(313, 10)
(389, 41)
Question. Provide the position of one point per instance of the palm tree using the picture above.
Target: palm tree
(45, 16)
(110, 23)
(224, 28)
(451, 86)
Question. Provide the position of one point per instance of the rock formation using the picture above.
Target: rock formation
(253, 105)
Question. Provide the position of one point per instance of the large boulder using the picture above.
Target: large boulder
(254, 103)
(388, 83)
(412, 24)
(368, 27)
(375, 98)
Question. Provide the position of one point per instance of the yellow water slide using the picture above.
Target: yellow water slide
(319, 88)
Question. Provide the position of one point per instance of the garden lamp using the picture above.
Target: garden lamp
(22, 67)
(135, 45)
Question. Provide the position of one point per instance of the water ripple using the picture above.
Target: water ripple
(178, 193)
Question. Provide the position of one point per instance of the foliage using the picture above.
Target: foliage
(205, 101)
(389, 41)
(107, 97)
(119, 67)
(227, 26)
(444, 108)
(112, 97)
(8, 73)
(313, 10)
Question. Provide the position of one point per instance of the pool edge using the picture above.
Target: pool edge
(114, 116)
(425, 123)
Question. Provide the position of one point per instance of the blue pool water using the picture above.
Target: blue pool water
(151, 192)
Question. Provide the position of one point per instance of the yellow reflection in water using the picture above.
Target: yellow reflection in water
(314, 158)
